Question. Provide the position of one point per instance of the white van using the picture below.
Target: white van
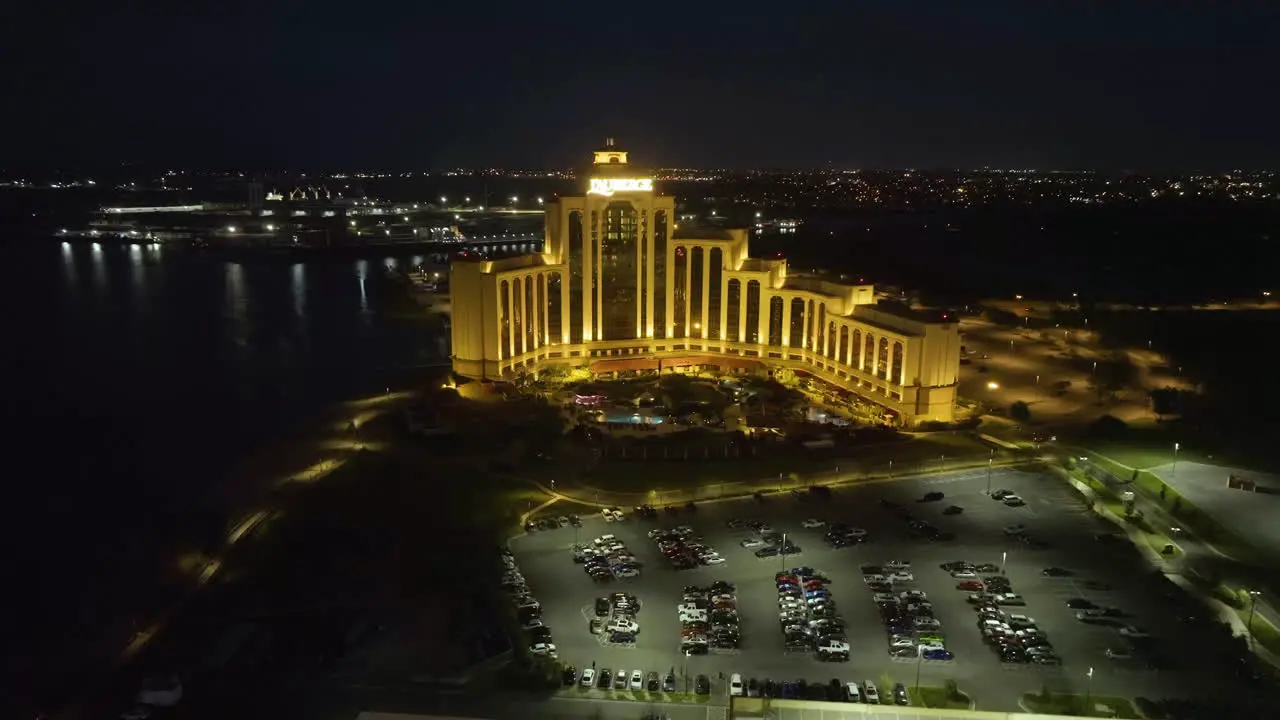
(852, 693)
(735, 685)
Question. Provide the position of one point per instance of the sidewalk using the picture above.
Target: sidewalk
(1239, 573)
(1224, 612)
(598, 497)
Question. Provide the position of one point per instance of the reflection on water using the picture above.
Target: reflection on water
(236, 304)
(298, 283)
(69, 265)
(158, 368)
(137, 273)
(362, 271)
(99, 269)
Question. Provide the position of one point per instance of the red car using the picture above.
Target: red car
(973, 585)
(813, 585)
(785, 578)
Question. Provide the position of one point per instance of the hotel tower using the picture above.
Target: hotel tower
(620, 286)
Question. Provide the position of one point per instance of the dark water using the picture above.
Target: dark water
(136, 377)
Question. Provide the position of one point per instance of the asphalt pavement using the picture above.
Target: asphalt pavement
(1054, 513)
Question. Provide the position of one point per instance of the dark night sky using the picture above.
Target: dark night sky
(1031, 83)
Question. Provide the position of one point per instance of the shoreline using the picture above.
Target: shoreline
(262, 482)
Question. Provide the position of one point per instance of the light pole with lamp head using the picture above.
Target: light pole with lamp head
(1088, 691)
(1176, 448)
(1004, 557)
(990, 460)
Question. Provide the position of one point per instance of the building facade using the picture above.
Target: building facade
(619, 286)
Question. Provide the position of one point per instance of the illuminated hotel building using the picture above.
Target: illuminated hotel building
(619, 287)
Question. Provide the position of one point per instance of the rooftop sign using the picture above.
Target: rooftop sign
(609, 186)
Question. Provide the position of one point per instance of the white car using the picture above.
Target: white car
(883, 598)
(684, 530)
(622, 624)
(856, 532)
(926, 623)
(735, 685)
(834, 646)
(914, 595)
(897, 565)
(870, 692)
(868, 579)
(812, 523)
(637, 680)
(788, 601)
(588, 677)
(689, 608)
(693, 617)
(1013, 501)
(605, 539)
(627, 572)
(901, 576)
(535, 623)
(902, 642)
(712, 559)
(931, 645)
(607, 514)
(542, 648)
(1114, 654)
(1015, 529)
(1021, 621)
(753, 542)
(963, 574)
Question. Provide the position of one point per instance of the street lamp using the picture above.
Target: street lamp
(990, 460)
(1004, 557)
(1176, 447)
(1253, 600)
(783, 554)
(1088, 690)
(890, 467)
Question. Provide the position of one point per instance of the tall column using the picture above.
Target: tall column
(599, 316)
(724, 304)
(762, 317)
(650, 321)
(534, 310)
(862, 350)
(518, 286)
(566, 315)
(827, 343)
(641, 294)
(511, 325)
(688, 294)
(888, 363)
(588, 265)
(742, 313)
(706, 294)
(786, 323)
(670, 311)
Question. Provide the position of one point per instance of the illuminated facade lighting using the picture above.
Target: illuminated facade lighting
(617, 288)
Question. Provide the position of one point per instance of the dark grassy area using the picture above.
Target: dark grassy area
(346, 578)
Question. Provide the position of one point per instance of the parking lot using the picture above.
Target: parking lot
(1105, 572)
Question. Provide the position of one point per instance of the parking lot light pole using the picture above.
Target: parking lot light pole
(990, 460)
(1004, 556)
(1088, 691)
(782, 554)
(890, 467)
(1176, 447)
